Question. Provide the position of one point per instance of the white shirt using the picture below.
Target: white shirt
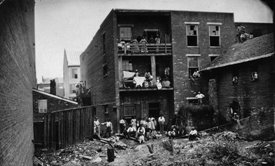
(161, 119)
(193, 132)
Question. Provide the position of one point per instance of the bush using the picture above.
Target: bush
(201, 115)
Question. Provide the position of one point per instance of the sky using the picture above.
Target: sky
(71, 24)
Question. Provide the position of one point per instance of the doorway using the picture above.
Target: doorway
(154, 110)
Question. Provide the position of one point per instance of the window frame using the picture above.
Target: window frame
(42, 103)
(125, 38)
(129, 105)
(189, 56)
(74, 74)
(187, 28)
(211, 24)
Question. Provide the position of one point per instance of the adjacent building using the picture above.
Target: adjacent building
(71, 73)
(242, 82)
(17, 78)
(43, 104)
(116, 63)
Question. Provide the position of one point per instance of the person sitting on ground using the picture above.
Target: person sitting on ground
(193, 134)
(141, 134)
(130, 132)
(174, 131)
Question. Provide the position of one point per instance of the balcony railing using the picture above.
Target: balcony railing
(141, 84)
(141, 49)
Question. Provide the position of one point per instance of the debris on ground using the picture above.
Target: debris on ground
(224, 148)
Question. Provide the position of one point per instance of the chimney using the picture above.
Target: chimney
(53, 87)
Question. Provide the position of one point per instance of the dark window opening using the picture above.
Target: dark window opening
(235, 77)
(192, 35)
(105, 70)
(214, 41)
(214, 33)
(213, 57)
(254, 74)
(192, 41)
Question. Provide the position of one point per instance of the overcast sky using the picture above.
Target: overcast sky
(71, 24)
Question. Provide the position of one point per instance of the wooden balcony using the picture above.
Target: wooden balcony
(162, 49)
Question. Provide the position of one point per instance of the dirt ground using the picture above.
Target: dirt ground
(220, 149)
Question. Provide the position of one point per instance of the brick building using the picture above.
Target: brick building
(17, 78)
(242, 81)
(71, 73)
(179, 43)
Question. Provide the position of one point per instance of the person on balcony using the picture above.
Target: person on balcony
(143, 47)
(157, 41)
(134, 47)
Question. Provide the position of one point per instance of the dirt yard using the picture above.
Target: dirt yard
(223, 149)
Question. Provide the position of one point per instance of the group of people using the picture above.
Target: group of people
(143, 129)
(139, 44)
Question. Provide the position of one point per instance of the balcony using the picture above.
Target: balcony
(132, 81)
(128, 49)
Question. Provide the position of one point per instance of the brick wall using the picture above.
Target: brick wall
(182, 85)
(92, 60)
(254, 97)
(17, 78)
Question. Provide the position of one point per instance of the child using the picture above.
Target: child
(140, 134)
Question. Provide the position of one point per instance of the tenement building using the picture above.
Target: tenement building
(143, 63)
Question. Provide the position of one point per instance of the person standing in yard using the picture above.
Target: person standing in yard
(97, 127)
(200, 96)
(161, 121)
(122, 124)
(109, 127)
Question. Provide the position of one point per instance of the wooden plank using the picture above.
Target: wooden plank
(60, 131)
(45, 131)
(153, 67)
(120, 77)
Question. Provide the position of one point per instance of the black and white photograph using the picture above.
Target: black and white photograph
(137, 83)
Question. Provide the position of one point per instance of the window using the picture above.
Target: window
(193, 64)
(213, 56)
(127, 65)
(42, 106)
(129, 110)
(72, 88)
(74, 73)
(125, 33)
(214, 33)
(106, 109)
(235, 77)
(192, 35)
(105, 70)
(104, 44)
(254, 74)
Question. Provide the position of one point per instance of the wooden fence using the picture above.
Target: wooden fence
(67, 127)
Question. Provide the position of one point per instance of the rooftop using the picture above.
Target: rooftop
(253, 49)
(73, 58)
